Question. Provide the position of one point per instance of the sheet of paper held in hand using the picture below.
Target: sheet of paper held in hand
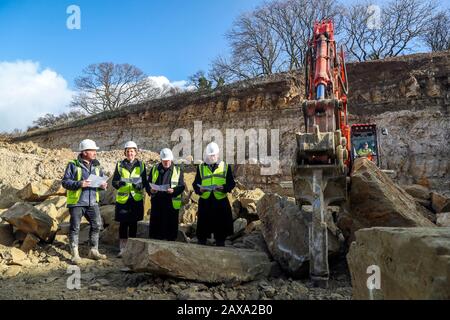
(162, 187)
(209, 188)
(96, 181)
(132, 180)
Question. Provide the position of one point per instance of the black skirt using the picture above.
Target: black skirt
(163, 218)
(131, 211)
(214, 216)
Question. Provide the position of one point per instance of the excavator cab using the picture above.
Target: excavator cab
(365, 142)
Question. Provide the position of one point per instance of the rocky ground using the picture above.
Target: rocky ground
(44, 275)
(31, 268)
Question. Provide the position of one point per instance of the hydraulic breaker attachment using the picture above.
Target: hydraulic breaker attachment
(320, 180)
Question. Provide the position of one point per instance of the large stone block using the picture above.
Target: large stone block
(413, 263)
(376, 201)
(39, 191)
(28, 219)
(443, 219)
(108, 214)
(55, 207)
(418, 191)
(440, 203)
(195, 262)
(286, 232)
(6, 234)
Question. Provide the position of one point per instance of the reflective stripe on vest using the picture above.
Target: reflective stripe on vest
(218, 178)
(176, 201)
(73, 196)
(124, 192)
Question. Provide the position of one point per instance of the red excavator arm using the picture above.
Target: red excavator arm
(326, 87)
(321, 161)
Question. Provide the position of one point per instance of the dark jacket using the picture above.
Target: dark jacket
(163, 217)
(130, 167)
(229, 183)
(88, 195)
(131, 211)
(214, 216)
(164, 177)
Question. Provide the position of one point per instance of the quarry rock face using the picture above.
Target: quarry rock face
(376, 201)
(285, 230)
(412, 263)
(393, 93)
(195, 262)
(417, 145)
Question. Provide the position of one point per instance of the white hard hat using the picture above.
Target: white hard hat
(87, 144)
(212, 148)
(166, 154)
(130, 144)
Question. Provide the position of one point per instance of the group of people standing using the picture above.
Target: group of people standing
(163, 182)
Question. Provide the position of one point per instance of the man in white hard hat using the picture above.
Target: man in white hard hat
(82, 199)
(165, 204)
(130, 180)
(214, 179)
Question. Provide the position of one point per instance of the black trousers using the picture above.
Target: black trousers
(127, 229)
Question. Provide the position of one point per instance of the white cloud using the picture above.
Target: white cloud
(162, 82)
(28, 92)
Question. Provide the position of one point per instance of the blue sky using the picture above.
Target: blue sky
(40, 57)
(174, 38)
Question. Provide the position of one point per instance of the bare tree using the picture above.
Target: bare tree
(50, 120)
(254, 50)
(437, 36)
(293, 22)
(229, 69)
(273, 38)
(398, 28)
(108, 86)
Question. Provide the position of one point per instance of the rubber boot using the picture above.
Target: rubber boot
(122, 245)
(75, 255)
(95, 255)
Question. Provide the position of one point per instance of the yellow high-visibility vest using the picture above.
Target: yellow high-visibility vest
(218, 177)
(124, 192)
(73, 196)
(176, 201)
